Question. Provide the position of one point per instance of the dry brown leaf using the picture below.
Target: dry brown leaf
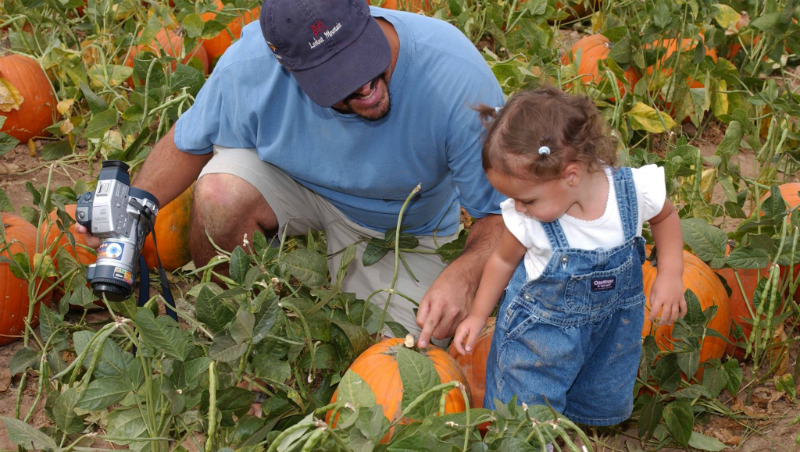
(733, 440)
(66, 127)
(748, 410)
(779, 352)
(10, 98)
(5, 379)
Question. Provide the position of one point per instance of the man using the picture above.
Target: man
(350, 108)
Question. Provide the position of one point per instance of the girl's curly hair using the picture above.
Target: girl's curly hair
(570, 126)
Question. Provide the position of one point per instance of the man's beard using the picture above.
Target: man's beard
(377, 111)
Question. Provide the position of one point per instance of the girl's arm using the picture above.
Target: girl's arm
(498, 271)
(666, 296)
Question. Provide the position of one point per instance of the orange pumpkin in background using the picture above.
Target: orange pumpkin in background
(377, 366)
(670, 46)
(14, 300)
(709, 290)
(740, 314)
(169, 43)
(82, 255)
(790, 192)
(172, 234)
(217, 45)
(594, 48)
(30, 104)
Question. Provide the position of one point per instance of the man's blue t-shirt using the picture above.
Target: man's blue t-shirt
(431, 135)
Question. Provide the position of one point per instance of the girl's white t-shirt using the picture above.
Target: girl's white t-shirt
(604, 232)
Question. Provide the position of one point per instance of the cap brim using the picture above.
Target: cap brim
(350, 69)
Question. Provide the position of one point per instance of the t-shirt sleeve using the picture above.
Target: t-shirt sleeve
(516, 223)
(651, 190)
(465, 135)
(207, 121)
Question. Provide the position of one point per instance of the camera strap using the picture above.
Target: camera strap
(144, 275)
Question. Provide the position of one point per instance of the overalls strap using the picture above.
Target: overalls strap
(555, 235)
(626, 201)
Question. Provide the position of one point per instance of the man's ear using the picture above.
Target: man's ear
(572, 174)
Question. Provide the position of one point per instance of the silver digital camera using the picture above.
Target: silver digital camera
(122, 216)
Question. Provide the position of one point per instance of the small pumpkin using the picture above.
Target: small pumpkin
(29, 103)
(378, 367)
(170, 43)
(14, 291)
(172, 234)
(709, 290)
(217, 45)
(594, 48)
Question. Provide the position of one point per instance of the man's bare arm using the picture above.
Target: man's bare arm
(449, 299)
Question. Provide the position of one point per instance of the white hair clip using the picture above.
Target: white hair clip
(497, 109)
(544, 150)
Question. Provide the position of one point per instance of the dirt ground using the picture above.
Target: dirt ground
(767, 426)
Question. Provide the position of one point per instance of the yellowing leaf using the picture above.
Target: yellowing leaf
(65, 105)
(726, 16)
(719, 98)
(31, 148)
(647, 118)
(10, 98)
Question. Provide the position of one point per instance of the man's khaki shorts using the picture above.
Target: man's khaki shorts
(299, 210)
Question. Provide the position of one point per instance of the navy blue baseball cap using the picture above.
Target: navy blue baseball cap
(331, 47)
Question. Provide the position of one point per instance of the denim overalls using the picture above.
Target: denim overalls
(573, 335)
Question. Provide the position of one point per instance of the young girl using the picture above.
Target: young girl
(569, 326)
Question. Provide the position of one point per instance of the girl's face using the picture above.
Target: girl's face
(544, 201)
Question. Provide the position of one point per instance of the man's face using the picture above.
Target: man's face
(371, 101)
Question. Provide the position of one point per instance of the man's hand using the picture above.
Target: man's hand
(91, 240)
(449, 299)
(444, 306)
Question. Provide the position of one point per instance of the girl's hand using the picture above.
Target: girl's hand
(667, 303)
(468, 329)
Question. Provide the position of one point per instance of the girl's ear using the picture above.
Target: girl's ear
(572, 174)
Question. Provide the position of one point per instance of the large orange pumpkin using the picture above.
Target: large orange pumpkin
(172, 233)
(593, 48)
(698, 277)
(217, 45)
(170, 43)
(377, 366)
(14, 291)
(474, 364)
(29, 103)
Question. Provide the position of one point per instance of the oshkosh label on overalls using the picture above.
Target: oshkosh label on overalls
(603, 284)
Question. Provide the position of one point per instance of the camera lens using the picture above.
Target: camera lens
(112, 291)
(116, 164)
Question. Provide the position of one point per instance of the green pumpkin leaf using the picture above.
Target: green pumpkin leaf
(28, 437)
(126, 424)
(24, 359)
(104, 392)
(309, 267)
(162, 333)
(418, 375)
(715, 378)
(707, 241)
(214, 313)
(680, 420)
(64, 412)
(650, 417)
(114, 362)
(374, 251)
(703, 442)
